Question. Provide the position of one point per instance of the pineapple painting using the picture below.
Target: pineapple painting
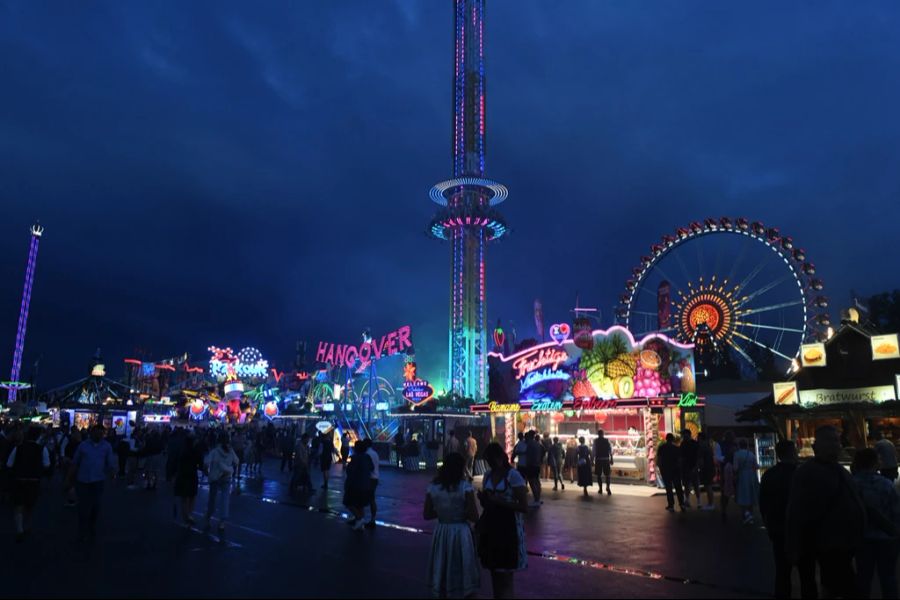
(608, 362)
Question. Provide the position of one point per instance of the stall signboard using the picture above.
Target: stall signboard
(885, 347)
(417, 391)
(324, 426)
(373, 349)
(822, 397)
(813, 355)
(897, 384)
(785, 392)
(614, 366)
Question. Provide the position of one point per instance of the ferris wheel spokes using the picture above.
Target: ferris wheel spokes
(775, 327)
(761, 345)
(769, 286)
(740, 350)
(753, 311)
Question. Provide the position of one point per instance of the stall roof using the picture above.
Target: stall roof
(849, 364)
(92, 391)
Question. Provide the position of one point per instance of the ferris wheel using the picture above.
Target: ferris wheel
(731, 287)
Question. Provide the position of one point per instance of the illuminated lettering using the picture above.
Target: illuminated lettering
(403, 338)
(593, 404)
(547, 405)
(538, 359)
(277, 375)
(391, 347)
(339, 354)
(497, 407)
(372, 348)
(350, 356)
(536, 377)
(688, 399)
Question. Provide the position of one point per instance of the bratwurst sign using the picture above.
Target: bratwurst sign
(344, 354)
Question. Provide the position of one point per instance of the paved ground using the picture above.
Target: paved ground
(625, 545)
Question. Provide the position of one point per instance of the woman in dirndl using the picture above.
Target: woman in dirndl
(501, 528)
(453, 570)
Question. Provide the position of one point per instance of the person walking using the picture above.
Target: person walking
(287, 443)
(358, 491)
(27, 462)
(345, 447)
(887, 456)
(690, 471)
(546, 446)
(453, 570)
(669, 460)
(220, 463)
(878, 552)
(153, 455)
(706, 468)
(93, 460)
(326, 456)
(571, 462)
(533, 451)
(774, 491)
(471, 452)
(300, 479)
(724, 456)
(239, 449)
(189, 462)
(373, 506)
(825, 516)
(68, 454)
(452, 445)
(501, 528)
(584, 461)
(555, 460)
(746, 481)
(603, 460)
(520, 455)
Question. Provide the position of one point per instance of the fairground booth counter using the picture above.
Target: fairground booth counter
(851, 381)
(635, 390)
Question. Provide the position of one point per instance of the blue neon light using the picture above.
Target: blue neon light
(541, 376)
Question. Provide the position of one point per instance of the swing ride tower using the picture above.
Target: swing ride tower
(468, 218)
(14, 383)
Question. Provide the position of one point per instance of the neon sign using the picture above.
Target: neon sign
(546, 405)
(496, 407)
(560, 332)
(343, 354)
(688, 399)
(247, 363)
(593, 404)
(536, 377)
(538, 359)
(418, 391)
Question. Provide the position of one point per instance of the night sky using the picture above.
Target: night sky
(255, 174)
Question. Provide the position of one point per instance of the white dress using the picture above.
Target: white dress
(453, 567)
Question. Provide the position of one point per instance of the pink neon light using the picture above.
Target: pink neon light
(132, 361)
(607, 332)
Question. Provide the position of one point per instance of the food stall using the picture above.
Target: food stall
(635, 390)
(849, 381)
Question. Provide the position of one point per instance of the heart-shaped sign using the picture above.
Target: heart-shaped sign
(560, 332)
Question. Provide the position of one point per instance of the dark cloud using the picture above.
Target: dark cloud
(220, 173)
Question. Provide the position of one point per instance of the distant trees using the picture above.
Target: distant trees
(884, 311)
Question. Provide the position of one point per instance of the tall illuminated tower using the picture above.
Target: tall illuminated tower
(36, 232)
(467, 218)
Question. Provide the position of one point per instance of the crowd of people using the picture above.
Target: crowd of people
(86, 457)
(818, 515)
